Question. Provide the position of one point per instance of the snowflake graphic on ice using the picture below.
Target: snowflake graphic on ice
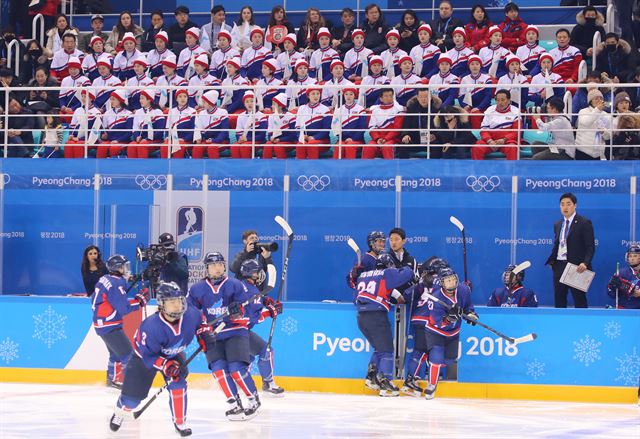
(586, 350)
(628, 368)
(289, 325)
(8, 350)
(49, 327)
(535, 369)
(612, 329)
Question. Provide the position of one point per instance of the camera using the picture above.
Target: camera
(268, 246)
(157, 256)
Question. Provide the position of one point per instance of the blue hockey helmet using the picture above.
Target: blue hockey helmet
(448, 279)
(251, 269)
(385, 260)
(118, 264)
(171, 301)
(429, 269)
(215, 273)
(633, 255)
(511, 280)
(372, 239)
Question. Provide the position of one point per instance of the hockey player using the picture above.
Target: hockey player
(287, 59)
(228, 358)
(254, 56)
(513, 294)
(105, 83)
(514, 76)
(251, 130)
(443, 324)
(70, 84)
(404, 83)
(123, 61)
(110, 304)
(159, 54)
(160, 343)
(149, 125)
(356, 60)
(375, 289)
(224, 53)
(211, 128)
(425, 55)
(331, 94)
(475, 95)
(442, 80)
(168, 97)
(624, 286)
(90, 61)
(460, 53)
(188, 55)
(268, 85)
(232, 98)
(117, 123)
(376, 241)
(321, 58)
(180, 126)
(530, 52)
(141, 80)
(384, 125)
(201, 78)
(371, 96)
(298, 96)
(494, 55)
(541, 87)
(281, 129)
(352, 120)
(313, 122)
(566, 58)
(391, 56)
(81, 125)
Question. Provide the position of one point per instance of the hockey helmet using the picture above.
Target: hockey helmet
(251, 269)
(118, 264)
(372, 241)
(448, 279)
(385, 260)
(511, 280)
(211, 259)
(171, 301)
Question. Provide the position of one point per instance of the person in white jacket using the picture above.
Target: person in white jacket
(594, 128)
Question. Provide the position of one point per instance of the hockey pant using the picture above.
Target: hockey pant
(417, 358)
(229, 361)
(441, 351)
(120, 350)
(376, 328)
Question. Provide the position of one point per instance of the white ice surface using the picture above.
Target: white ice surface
(52, 411)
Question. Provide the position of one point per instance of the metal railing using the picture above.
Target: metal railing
(38, 20)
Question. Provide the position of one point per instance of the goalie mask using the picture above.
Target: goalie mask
(633, 256)
(511, 280)
(448, 279)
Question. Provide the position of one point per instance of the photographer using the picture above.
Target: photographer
(253, 251)
(176, 264)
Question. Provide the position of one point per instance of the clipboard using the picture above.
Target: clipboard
(579, 281)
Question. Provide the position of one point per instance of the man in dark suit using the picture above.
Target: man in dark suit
(574, 242)
(399, 254)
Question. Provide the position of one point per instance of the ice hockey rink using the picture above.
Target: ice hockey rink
(72, 411)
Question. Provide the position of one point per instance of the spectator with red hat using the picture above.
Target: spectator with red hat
(440, 82)
(313, 121)
(202, 78)
(185, 68)
(369, 96)
(281, 130)
(288, 57)
(404, 84)
(123, 61)
(385, 126)
(169, 78)
(159, 54)
(529, 53)
(149, 124)
(117, 122)
(268, 85)
(542, 84)
(82, 122)
(475, 95)
(356, 60)
(232, 97)
(251, 130)
(178, 30)
(425, 55)
(349, 124)
(90, 61)
(494, 56)
(514, 76)
(391, 56)
(141, 80)
(499, 129)
(460, 53)
(180, 127)
(513, 28)
(298, 96)
(478, 27)
(254, 56)
(321, 58)
(71, 83)
(332, 91)
(224, 53)
(211, 128)
(105, 82)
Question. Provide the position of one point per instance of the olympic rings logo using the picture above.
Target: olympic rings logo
(483, 183)
(6, 178)
(313, 182)
(151, 182)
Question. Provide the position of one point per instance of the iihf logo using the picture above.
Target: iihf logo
(190, 232)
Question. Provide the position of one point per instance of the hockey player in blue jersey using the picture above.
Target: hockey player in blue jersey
(375, 290)
(376, 240)
(443, 324)
(626, 283)
(159, 346)
(110, 304)
(514, 294)
(419, 313)
(228, 357)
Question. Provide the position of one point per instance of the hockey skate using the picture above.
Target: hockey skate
(182, 429)
(269, 388)
(116, 422)
(371, 380)
(236, 413)
(387, 388)
(430, 391)
(411, 387)
(254, 405)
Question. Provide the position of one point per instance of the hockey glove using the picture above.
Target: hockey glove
(235, 309)
(275, 309)
(203, 335)
(454, 313)
(143, 297)
(472, 318)
(354, 274)
(171, 369)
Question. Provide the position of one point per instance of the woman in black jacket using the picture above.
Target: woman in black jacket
(307, 34)
(92, 268)
(408, 29)
(453, 132)
(375, 29)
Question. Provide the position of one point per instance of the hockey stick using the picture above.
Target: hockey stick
(515, 341)
(218, 322)
(456, 222)
(617, 274)
(287, 229)
(356, 249)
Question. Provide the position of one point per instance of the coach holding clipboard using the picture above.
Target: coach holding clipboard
(574, 242)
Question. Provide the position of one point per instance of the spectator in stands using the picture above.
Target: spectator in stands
(626, 134)
(634, 92)
(615, 59)
(20, 126)
(558, 125)
(177, 31)
(594, 128)
(60, 61)
(499, 130)
(48, 9)
(513, 28)
(477, 29)
(92, 268)
(341, 35)
(18, 15)
(8, 79)
(566, 58)
(375, 29)
(408, 29)
(209, 32)
(97, 24)
(43, 100)
(241, 32)
(125, 24)
(589, 21)
(8, 35)
(56, 33)
(33, 59)
(579, 101)
(416, 125)
(444, 25)
(454, 134)
(307, 34)
(148, 40)
(278, 17)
